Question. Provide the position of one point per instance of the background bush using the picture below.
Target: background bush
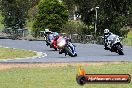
(76, 27)
(52, 14)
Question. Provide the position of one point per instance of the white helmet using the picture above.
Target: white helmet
(46, 30)
(106, 31)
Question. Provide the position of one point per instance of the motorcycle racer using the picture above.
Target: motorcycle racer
(107, 33)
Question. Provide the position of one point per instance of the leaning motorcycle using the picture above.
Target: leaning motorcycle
(47, 39)
(114, 43)
(66, 47)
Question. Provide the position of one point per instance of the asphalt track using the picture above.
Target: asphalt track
(86, 52)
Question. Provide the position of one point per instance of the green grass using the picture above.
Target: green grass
(60, 77)
(128, 40)
(10, 53)
(129, 35)
(1, 19)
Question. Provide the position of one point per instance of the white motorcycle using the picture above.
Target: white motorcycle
(113, 42)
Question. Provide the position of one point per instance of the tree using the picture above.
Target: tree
(86, 10)
(70, 4)
(52, 14)
(111, 14)
(15, 11)
(114, 15)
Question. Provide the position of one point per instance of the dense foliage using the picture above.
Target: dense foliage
(52, 14)
(111, 14)
(75, 27)
(114, 15)
(15, 11)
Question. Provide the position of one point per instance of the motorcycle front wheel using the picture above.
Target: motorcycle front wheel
(55, 49)
(70, 52)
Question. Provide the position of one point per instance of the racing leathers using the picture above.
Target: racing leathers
(106, 40)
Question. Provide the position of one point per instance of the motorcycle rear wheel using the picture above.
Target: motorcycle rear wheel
(119, 51)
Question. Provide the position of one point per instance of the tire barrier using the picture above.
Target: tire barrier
(85, 39)
(75, 38)
(90, 39)
(10, 33)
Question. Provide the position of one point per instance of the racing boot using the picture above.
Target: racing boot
(65, 54)
(60, 51)
(107, 48)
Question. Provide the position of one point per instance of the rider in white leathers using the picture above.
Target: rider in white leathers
(107, 33)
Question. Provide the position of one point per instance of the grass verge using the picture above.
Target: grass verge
(10, 53)
(128, 40)
(41, 76)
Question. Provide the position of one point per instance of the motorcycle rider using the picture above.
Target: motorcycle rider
(107, 33)
(114, 42)
(47, 32)
(67, 40)
(48, 35)
(55, 38)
